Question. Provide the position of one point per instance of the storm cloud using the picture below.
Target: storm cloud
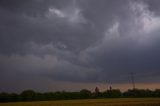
(79, 40)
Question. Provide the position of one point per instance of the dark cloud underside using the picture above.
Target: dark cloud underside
(79, 41)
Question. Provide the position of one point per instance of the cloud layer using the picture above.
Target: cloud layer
(80, 41)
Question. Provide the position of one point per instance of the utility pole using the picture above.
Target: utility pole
(132, 80)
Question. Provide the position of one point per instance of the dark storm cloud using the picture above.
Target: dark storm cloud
(154, 6)
(23, 28)
(80, 41)
(32, 7)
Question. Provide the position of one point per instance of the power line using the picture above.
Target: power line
(131, 76)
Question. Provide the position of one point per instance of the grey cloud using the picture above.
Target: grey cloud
(22, 29)
(81, 41)
(128, 51)
(154, 6)
(32, 7)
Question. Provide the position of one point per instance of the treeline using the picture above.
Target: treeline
(30, 95)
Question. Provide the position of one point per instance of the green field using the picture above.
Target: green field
(92, 102)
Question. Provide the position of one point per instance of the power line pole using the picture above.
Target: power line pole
(132, 80)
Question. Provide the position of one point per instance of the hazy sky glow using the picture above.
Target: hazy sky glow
(75, 42)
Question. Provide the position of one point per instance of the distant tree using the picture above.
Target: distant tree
(28, 95)
(14, 97)
(85, 93)
(114, 93)
(157, 93)
(4, 97)
(138, 93)
(49, 96)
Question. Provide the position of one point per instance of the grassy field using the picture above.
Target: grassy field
(92, 102)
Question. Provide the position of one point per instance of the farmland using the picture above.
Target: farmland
(92, 102)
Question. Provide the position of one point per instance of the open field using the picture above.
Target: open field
(92, 102)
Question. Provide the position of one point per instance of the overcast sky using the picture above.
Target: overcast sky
(45, 42)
